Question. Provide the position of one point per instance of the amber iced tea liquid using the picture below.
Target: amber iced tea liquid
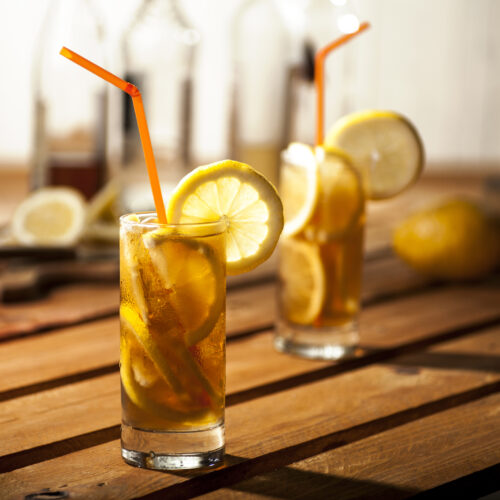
(172, 342)
(320, 268)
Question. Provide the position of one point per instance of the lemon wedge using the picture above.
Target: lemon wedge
(139, 378)
(303, 280)
(50, 217)
(340, 201)
(102, 207)
(384, 146)
(172, 360)
(299, 186)
(132, 325)
(243, 198)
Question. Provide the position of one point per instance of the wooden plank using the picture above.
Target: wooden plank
(279, 429)
(92, 349)
(427, 314)
(244, 376)
(72, 304)
(248, 309)
(78, 405)
(64, 306)
(63, 353)
(395, 464)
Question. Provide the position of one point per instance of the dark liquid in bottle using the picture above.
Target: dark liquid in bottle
(82, 172)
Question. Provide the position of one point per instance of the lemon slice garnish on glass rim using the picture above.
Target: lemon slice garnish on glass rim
(243, 198)
(50, 217)
(303, 280)
(384, 146)
(299, 186)
(340, 198)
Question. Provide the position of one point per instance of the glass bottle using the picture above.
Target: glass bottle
(313, 24)
(260, 58)
(70, 108)
(158, 50)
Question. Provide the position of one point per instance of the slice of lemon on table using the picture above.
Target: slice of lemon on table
(340, 201)
(303, 280)
(243, 198)
(50, 217)
(194, 274)
(384, 146)
(299, 186)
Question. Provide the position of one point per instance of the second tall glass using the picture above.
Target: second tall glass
(321, 254)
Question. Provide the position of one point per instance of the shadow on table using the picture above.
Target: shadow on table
(448, 360)
(292, 483)
(286, 482)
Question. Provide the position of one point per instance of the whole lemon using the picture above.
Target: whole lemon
(454, 241)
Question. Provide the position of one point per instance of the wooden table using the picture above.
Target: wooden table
(419, 412)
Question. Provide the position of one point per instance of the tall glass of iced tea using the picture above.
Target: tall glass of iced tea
(321, 253)
(172, 342)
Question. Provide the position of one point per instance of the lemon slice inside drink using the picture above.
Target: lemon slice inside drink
(134, 326)
(50, 217)
(340, 199)
(140, 378)
(384, 146)
(303, 280)
(243, 198)
(194, 276)
(170, 358)
(299, 186)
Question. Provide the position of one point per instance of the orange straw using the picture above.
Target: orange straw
(319, 76)
(133, 91)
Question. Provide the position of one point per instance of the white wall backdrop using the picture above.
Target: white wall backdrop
(436, 61)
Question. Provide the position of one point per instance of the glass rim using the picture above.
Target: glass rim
(218, 226)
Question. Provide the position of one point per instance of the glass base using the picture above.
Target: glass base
(328, 343)
(174, 450)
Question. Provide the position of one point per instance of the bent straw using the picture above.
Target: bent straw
(319, 64)
(133, 91)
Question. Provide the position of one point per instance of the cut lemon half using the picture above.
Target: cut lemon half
(384, 146)
(195, 276)
(50, 217)
(102, 207)
(340, 201)
(243, 198)
(303, 280)
(299, 186)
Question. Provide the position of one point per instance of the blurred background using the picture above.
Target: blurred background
(233, 78)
